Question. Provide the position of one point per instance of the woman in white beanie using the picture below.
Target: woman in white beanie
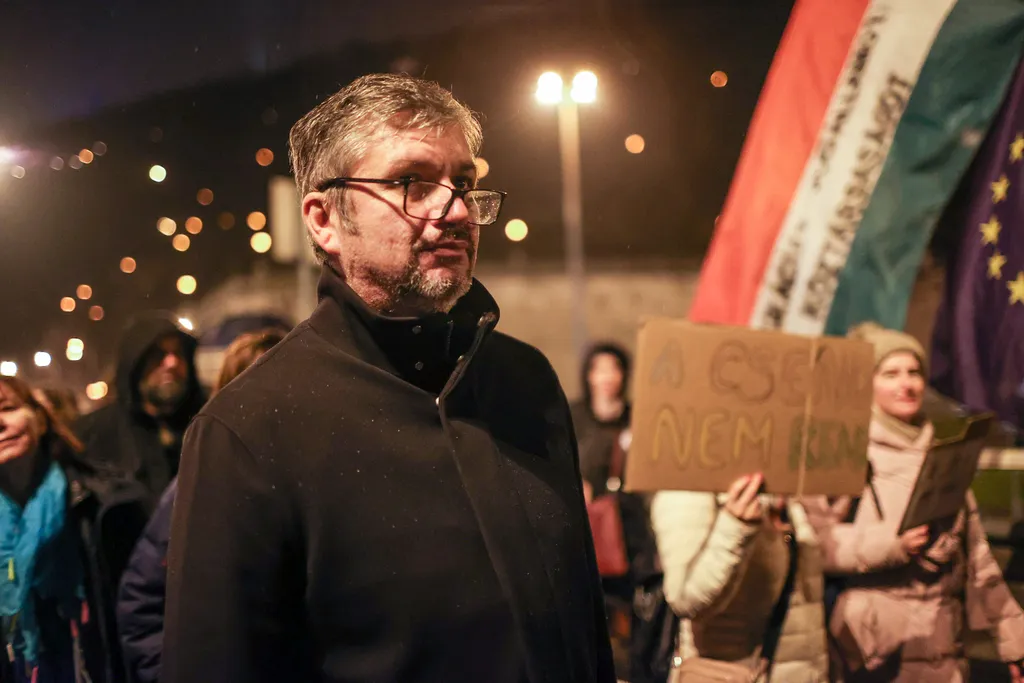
(900, 614)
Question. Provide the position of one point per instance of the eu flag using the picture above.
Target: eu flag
(978, 345)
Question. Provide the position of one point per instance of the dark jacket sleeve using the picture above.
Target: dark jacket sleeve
(605, 665)
(229, 618)
(140, 600)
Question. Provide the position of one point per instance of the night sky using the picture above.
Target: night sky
(198, 87)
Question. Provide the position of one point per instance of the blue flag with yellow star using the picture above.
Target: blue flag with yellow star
(978, 344)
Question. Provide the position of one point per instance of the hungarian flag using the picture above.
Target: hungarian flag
(871, 113)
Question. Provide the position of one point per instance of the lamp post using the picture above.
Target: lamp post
(551, 90)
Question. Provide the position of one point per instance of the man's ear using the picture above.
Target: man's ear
(323, 222)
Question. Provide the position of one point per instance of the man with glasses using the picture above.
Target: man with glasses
(392, 493)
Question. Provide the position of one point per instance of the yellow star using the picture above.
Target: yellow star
(1017, 289)
(1017, 148)
(995, 266)
(990, 231)
(999, 189)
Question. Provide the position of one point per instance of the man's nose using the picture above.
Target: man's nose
(172, 361)
(458, 212)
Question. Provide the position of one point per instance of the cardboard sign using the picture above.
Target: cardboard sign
(946, 475)
(714, 403)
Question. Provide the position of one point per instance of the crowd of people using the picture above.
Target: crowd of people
(395, 491)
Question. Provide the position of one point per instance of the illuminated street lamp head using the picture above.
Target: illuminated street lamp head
(549, 88)
(42, 359)
(584, 87)
(8, 368)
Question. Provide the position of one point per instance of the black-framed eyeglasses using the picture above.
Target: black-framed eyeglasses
(432, 201)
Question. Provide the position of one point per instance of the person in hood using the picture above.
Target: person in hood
(392, 493)
(158, 394)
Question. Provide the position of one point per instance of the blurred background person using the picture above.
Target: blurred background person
(743, 571)
(158, 393)
(56, 563)
(61, 402)
(140, 603)
(900, 613)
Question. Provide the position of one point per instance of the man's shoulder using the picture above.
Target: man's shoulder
(99, 420)
(519, 362)
(506, 348)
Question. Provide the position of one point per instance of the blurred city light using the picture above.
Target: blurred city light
(719, 79)
(18, 171)
(84, 292)
(166, 226)
(194, 225)
(8, 368)
(74, 355)
(86, 156)
(264, 157)
(76, 344)
(186, 323)
(635, 144)
(261, 242)
(516, 230)
(74, 162)
(256, 220)
(157, 173)
(99, 148)
(205, 196)
(97, 391)
(56, 163)
(96, 313)
(42, 359)
(482, 167)
(584, 87)
(226, 220)
(128, 265)
(549, 88)
(7, 155)
(181, 242)
(67, 304)
(186, 285)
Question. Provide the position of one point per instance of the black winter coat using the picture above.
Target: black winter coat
(342, 516)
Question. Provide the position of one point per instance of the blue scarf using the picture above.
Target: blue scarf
(38, 558)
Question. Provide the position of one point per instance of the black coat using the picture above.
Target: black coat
(338, 520)
(120, 436)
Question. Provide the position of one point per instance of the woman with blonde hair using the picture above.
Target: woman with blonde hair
(901, 611)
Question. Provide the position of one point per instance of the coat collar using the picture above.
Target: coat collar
(421, 350)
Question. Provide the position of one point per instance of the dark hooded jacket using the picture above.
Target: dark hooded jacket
(121, 436)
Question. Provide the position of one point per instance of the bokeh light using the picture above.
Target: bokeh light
(85, 156)
(186, 323)
(8, 368)
(635, 144)
(99, 148)
(18, 171)
(516, 230)
(76, 343)
(264, 157)
(166, 226)
(584, 87)
(96, 313)
(74, 162)
(205, 196)
(97, 391)
(157, 173)
(181, 242)
(719, 79)
(261, 242)
(42, 359)
(74, 355)
(84, 292)
(128, 265)
(482, 167)
(187, 285)
(256, 220)
(194, 225)
(56, 163)
(549, 88)
(226, 220)
(67, 304)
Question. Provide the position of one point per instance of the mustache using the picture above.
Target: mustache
(449, 235)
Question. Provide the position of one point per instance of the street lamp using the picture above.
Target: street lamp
(551, 90)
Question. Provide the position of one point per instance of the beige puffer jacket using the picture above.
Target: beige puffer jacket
(724, 577)
(901, 617)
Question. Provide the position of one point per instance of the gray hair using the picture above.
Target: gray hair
(330, 139)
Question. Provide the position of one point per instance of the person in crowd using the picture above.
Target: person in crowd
(743, 571)
(140, 433)
(140, 603)
(601, 419)
(391, 493)
(64, 527)
(901, 613)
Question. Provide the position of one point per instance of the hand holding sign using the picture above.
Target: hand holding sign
(742, 500)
